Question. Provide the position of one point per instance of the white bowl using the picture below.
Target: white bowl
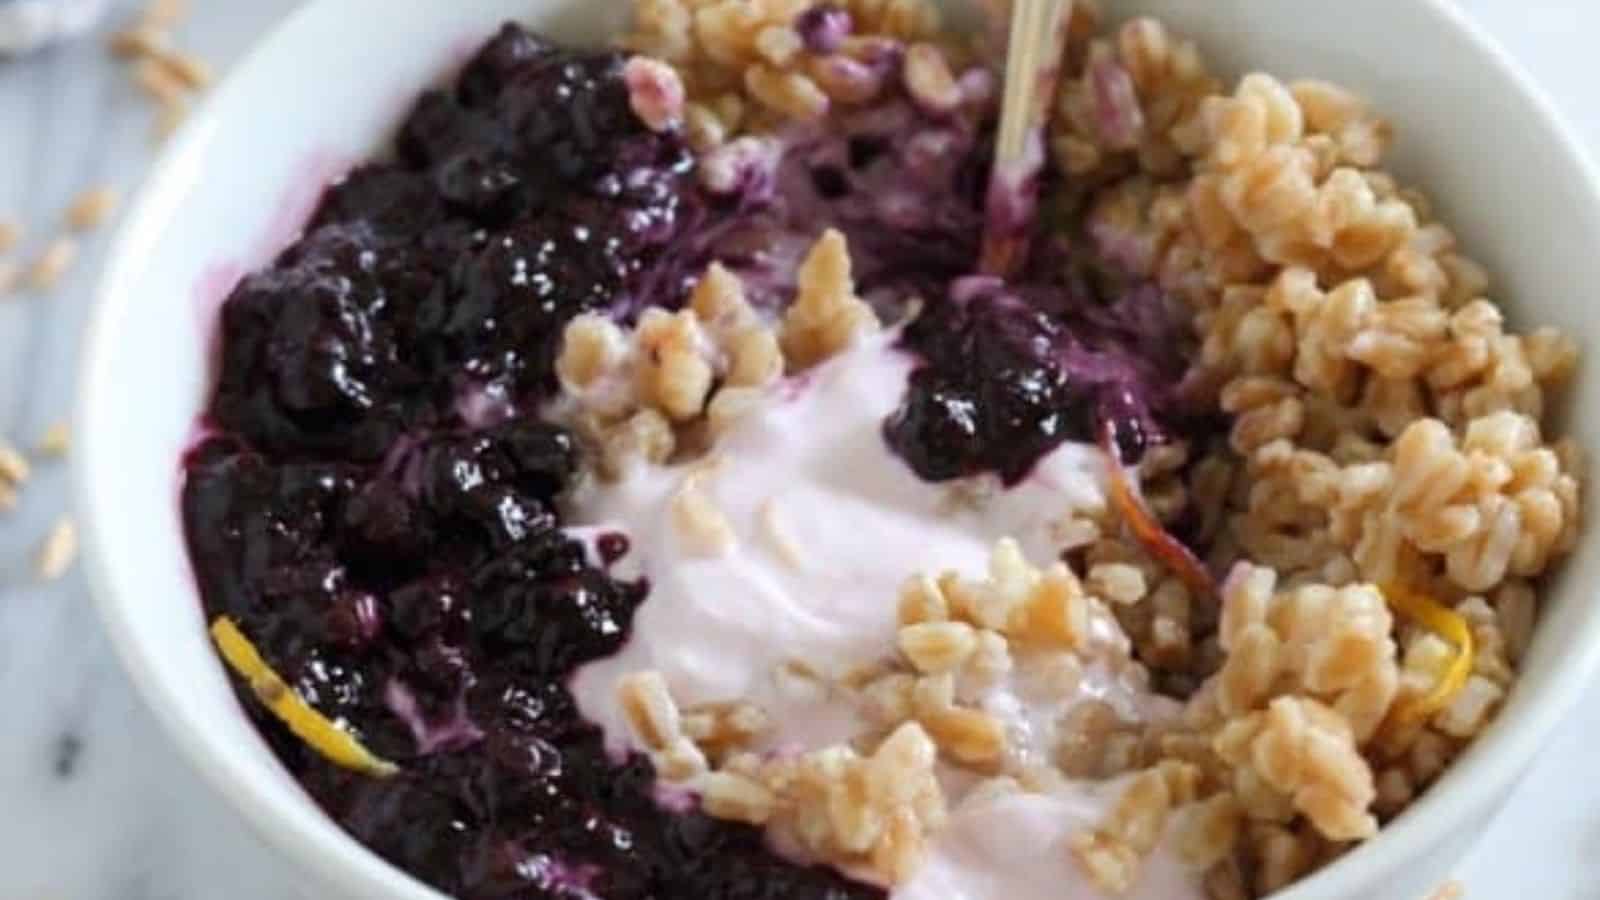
(326, 87)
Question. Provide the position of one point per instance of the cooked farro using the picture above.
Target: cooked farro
(1386, 431)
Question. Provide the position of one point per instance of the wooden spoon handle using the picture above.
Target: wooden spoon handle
(1033, 64)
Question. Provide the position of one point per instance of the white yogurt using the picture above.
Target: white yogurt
(826, 524)
(1014, 846)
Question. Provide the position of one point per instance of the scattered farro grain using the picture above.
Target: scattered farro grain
(8, 497)
(159, 82)
(58, 551)
(55, 442)
(14, 466)
(10, 233)
(1450, 890)
(92, 207)
(192, 71)
(141, 40)
(47, 271)
(164, 13)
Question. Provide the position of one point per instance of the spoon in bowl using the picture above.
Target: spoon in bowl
(1033, 63)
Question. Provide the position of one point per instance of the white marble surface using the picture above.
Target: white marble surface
(94, 805)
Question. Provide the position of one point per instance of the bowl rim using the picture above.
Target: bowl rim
(1495, 761)
(348, 865)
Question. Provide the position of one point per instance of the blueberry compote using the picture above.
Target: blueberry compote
(1010, 373)
(378, 518)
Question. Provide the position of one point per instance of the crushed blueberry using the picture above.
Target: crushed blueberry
(402, 564)
(1009, 373)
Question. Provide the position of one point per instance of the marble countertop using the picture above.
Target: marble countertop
(94, 802)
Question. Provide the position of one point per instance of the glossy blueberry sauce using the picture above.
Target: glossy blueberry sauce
(376, 503)
(1010, 372)
(404, 570)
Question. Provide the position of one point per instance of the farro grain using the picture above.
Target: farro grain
(138, 40)
(58, 551)
(699, 523)
(164, 13)
(729, 405)
(937, 647)
(1139, 818)
(1207, 831)
(1118, 583)
(192, 72)
(92, 207)
(734, 797)
(51, 265)
(650, 710)
(159, 82)
(1111, 865)
(14, 467)
(969, 736)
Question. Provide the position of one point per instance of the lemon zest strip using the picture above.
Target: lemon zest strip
(340, 747)
(1150, 533)
(1425, 612)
